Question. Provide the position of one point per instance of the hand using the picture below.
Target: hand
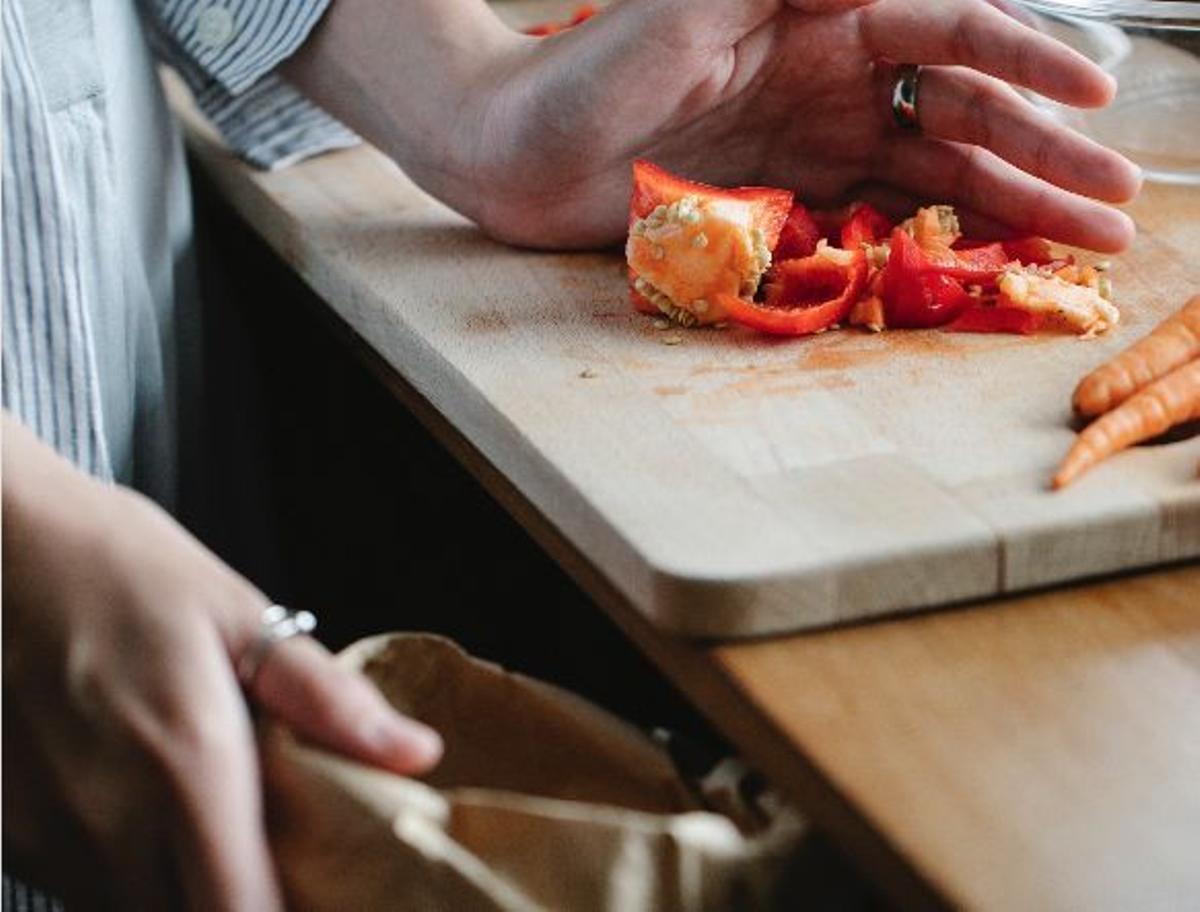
(792, 95)
(129, 749)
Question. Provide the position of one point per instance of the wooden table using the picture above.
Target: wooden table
(1038, 752)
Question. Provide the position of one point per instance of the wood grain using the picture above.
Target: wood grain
(1043, 753)
(731, 484)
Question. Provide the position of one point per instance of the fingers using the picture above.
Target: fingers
(218, 836)
(965, 106)
(301, 684)
(977, 179)
(972, 33)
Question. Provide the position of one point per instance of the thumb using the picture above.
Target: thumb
(301, 685)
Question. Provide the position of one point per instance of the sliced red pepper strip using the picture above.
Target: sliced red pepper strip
(986, 256)
(914, 294)
(866, 225)
(799, 236)
(805, 296)
(975, 265)
(1031, 251)
(981, 319)
(968, 275)
(654, 186)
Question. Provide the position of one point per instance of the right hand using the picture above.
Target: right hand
(793, 94)
(129, 747)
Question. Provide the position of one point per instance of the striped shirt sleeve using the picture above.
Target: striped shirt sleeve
(227, 52)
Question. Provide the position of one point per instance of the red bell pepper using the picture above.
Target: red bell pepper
(914, 294)
(1000, 319)
(986, 256)
(975, 265)
(654, 186)
(1030, 251)
(804, 296)
(799, 236)
(866, 225)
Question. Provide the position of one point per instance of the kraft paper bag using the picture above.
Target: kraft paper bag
(543, 801)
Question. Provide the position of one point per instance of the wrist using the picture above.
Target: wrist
(415, 79)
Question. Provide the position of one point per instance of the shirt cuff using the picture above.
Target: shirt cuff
(235, 42)
(272, 125)
(261, 117)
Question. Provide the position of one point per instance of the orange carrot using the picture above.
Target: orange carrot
(1166, 402)
(1175, 341)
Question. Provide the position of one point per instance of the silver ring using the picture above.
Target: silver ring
(278, 624)
(904, 97)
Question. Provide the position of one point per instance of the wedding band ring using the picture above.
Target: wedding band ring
(904, 97)
(277, 624)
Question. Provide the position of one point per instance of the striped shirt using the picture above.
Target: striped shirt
(65, 283)
(96, 214)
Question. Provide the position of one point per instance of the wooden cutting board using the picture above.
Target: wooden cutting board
(728, 483)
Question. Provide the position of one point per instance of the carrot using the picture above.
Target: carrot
(1175, 341)
(1166, 402)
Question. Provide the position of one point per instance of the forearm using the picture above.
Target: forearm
(405, 75)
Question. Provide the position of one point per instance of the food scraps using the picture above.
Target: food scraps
(700, 255)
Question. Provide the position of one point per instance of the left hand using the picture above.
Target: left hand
(790, 94)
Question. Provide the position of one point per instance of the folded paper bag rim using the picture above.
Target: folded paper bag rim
(346, 836)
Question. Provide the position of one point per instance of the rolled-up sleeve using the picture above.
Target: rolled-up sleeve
(227, 52)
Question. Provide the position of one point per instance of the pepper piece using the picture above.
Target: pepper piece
(654, 186)
(799, 235)
(1030, 251)
(866, 225)
(914, 295)
(982, 319)
(689, 242)
(804, 296)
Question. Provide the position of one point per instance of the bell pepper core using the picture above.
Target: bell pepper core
(654, 186)
(721, 250)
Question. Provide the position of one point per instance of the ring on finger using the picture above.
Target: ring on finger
(276, 625)
(905, 93)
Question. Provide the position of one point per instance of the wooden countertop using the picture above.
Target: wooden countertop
(1033, 752)
(1039, 753)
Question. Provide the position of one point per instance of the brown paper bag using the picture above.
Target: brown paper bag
(542, 801)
